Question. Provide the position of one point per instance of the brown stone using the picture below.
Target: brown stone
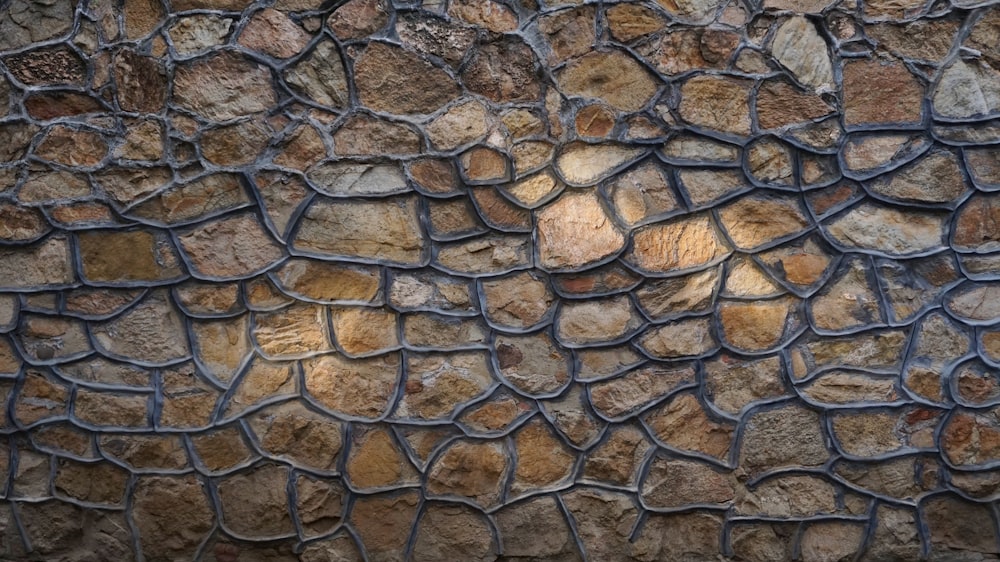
(758, 220)
(358, 18)
(977, 303)
(384, 523)
(18, 135)
(22, 22)
(495, 415)
(572, 418)
(786, 436)
(223, 86)
(637, 389)
(563, 226)
(888, 230)
(583, 164)
(849, 301)
(868, 433)
(222, 449)
(471, 470)
(145, 453)
(165, 340)
(342, 178)
(643, 194)
(631, 21)
(209, 299)
(195, 34)
(603, 522)
(39, 398)
(518, 526)
(970, 438)
(298, 434)
(532, 364)
(594, 120)
(320, 76)
(618, 458)
(682, 423)
(757, 326)
(273, 33)
(674, 483)
(878, 92)
(138, 255)
(957, 524)
(435, 292)
(19, 224)
(453, 532)
(434, 331)
(717, 103)
(489, 14)
(434, 175)
(460, 125)
(542, 460)
(128, 185)
(230, 248)
(235, 145)
(100, 483)
(188, 399)
(329, 282)
(53, 105)
(503, 71)
(361, 331)
(429, 35)
(112, 409)
(681, 338)
(393, 80)
(708, 186)
(254, 504)
(295, 331)
(977, 223)
(320, 504)
(164, 535)
(262, 380)
(597, 321)
(364, 135)
(520, 301)
(481, 164)
(613, 77)
(198, 199)
(732, 383)
(845, 387)
(48, 66)
(359, 388)
(72, 147)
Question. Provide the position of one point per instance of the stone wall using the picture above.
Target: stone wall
(463, 280)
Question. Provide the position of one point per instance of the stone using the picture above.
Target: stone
(868, 433)
(261, 380)
(627, 22)
(98, 483)
(865, 156)
(108, 409)
(759, 326)
(696, 12)
(974, 224)
(689, 148)
(682, 423)
(490, 254)
(799, 47)
(518, 525)
(780, 104)
(673, 483)
(453, 532)
(53, 105)
(880, 92)
(393, 80)
(192, 35)
(234, 145)
(888, 230)
(934, 178)
(849, 388)
(492, 15)
(298, 434)
(704, 187)
(481, 164)
(460, 125)
(292, 332)
(983, 165)
(754, 221)
(72, 147)
(967, 90)
(519, 301)
(613, 77)
(358, 18)
(347, 178)
(643, 195)
(582, 164)
(129, 185)
(543, 461)
(364, 135)
(330, 283)
(971, 439)
(529, 157)
(598, 321)
(895, 534)
(362, 331)
(732, 384)
(438, 384)
(604, 280)
(678, 339)
(571, 418)
(360, 388)
(364, 230)
(788, 435)
(320, 76)
(688, 243)
(201, 198)
(618, 458)
(503, 71)
(497, 415)
(223, 86)
(23, 23)
(146, 453)
(716, 103)
(384, 523)
(636, 390)
(299, 149)
(665, 299)
(161, 533)
(595, 121)
(254, 504)
(691, 535)
(831, 541)
(20, 224)
(532, 364)
(573, 218)
(433, 292)
(603, 520)
(19, 135)
(48, 67)
(320, 505)
(222, 450)
(975, 302)
(849, 301)
(249, 249)
(188, 399)
(431, 331)
(154, 316)
(874, 350)
(684, 50)
(955, 523)
(269, 24)
(40, 398)
(430, 35)
(141, 80)
(471, 470)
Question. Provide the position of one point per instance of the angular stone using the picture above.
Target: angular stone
(20, 224)
(329, 282)
(603, 522)
(128, 185)
(19, 135)
(520, 301)
(99, 483)
(674, 246)
(145, 453)
(878, 92)
(780, 104)
(362, 331)
(689, 148)
(529, 157)
(594, 121)
(664, 299)
(360, 388)
(165, 339)
(543, 461)
(604, 280)
(438, 384)
(497, 415)
(141, 80)
(22, 23)
(888, 230)
(849, 301)
(460, 125)
(696, 12)
(864, 156)
(678, 339)
(292, 332)
(471, 470)
(618, 458)
(320, 76)
(716, 103)
(789, 435)
(707, 186)
(597, 321)
(799, 47)
(583, 164)
(453, 532)
(40, 398)
(72, 147)
(201, 198)
(682, 423)
(223, 86)
(365, 135)
(613, 77)
(45, 186)
(434, 292)
(248, 248)
(757, 326)
(481, 164)
(634, 391)
(977, 303)
(430, 35)
(878, 351)
(320, 504)
(870, 433)
(926, 40)
(957, 525)
(673, 483)
(983, 165)
(48, 66)
(393, 80)
(975, 224)
(298, 434)
(490, 254)
(235, 145)
(971, 438)
(732, 384)
(769, 162)
(108, 409)
(631, 21)
(261, 380)
(346, 178)
(223, 449)
(364, 230)
(162, 534)
(759, 220)
(572, 418)
(967, 90)
(572, 219)
(643, 195)
(188, 399)
(532, 364)
(384, 523)
(682, 50)
(518, 526)
(503, 71)
(299, 149)
(273, 33)
(198, 33)
(492, 15)
(254, 504)
(849, 388)
(53, 105)
(432, 331)
(358, 18)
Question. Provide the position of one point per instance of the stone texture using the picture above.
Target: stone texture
(881, 92)
(396, 81)
(673, 246)
(888, 230)
(609, 76)
(320, 76)
(799, 47)
(223, 86)
(364, 230)
(716, 103)
(572, 219)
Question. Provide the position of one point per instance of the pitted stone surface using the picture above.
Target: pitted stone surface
(499, 280)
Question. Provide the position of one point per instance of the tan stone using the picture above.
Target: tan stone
(977, 303)
(460, 125)
(223, 86)
(519, 301)
(663, 299)
(717, 103)
(292, 332)
(888, 230)
(682, 338)
(708, 186)
(677, 483)
(274, 33)
(518, 526)
(613, 77)
(320, 504)
(384, 523)
(495, 415)
(164, 342)
(230, 248)
(396, 81)
(434, 331)
(72, 147)
(967, 90)
(429, 35)
(800, 48)
(503, 71)
(758, 220)
(533, 364)
(198, 33)
(849, 301)
(643, 194)
(357, 18)
(329, 282)
(631, 21)
(158, 501)
(635, 390)
(360, 388)
(876, 92)
(682, 423)
(976, 224)
(428, 291)
(112, 409)
(200, 198)
(223, 449)
(320, 76)
(695, 12)
(757, 326)
(298, 434)
(188, 399)
(571, 418)
(39, 398)
(584, 164)
(566, 224)
(363, 331)
(489, 14)
(437, 384)
(597, 321)
(366, 135)
(786, 436)
(145, 453)
(470, 469)
(262, 380)
(481, 164)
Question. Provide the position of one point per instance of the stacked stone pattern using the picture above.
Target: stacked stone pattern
(499, 280)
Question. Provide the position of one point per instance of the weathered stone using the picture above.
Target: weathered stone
(613, 77)
(849, 301)
(682, 50)
(683, 424)
(529, 157)
(681, 338)
(780, 104)
(329, 282)
(453, 532)
(99, 483)
(956, 524)
(429, 35)
(732, 384)
(320, 76)
(19, 224)
(678, 245)
(603, 522)
(664, 299)
(362, 331)
(19, 135)
(532, 364)
(586, 164)
(298, 434)
(757, 326)
(320, 504)
(438, 384)
(572, 418)
(358, 18)
(572, 219)
(888, 230)
(165, 340)
(489, 14)
(158, 501)
(975, 302)
(223, 449)
(642, 195)
(518, 526)
(359, 388)
(23, 23)
(112, 409)
(877, 92)
(604, 280)
(786, 436)
(72, 147)
(707, 186)
(631, 21)
(235, 145)
(262, 380)
(128, 185)
(292, 332)
(426, 291)
(688, 148)
(229, 248)
(188, 399)
(266, 26)
(201, 198)
(363, 230)
(346, 178)
(759, 220)
(460, 125)
(198, 33)
(594, 121)
(254, 504)
(470, 470)
(493, 254)
(636, 390)
(393, 80)
(48, 66)
(520, 301)
(53, 105)
(481, 164)
(145, 453)
(849, 388)
(223, 86)
(384, 523)
(872, 350)
(975, 224)
(597, 321)
(503, 71)
(542, 460)
(697, 12)
(496, 415)
(983, 165)
(868, 433)
(716, 103)
(365, 135)
(618, 458)
(674, 483)
(967, 90)
(432, 331)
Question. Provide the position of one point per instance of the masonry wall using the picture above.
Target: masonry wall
(499, 279)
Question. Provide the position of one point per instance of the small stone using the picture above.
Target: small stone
(868, 433)
(434, 292)
(393, 80)
(188, 399)
(604, 280)
(482, 164)
(643, 194)
(223, 86)
(430, 35)
(572, 219)
(165, 339)
(848, 388)
(362, 331)
(329, 282)
(595, 121)
(496, 415)
(799, 47)
(956, 525)
(320, 504)
(141, 80)
(357, 18)
(849, 301)
(864, 156)
(299, 434)
(704, 187)
(471, 470)
(542, 460)
(876, 350)
(291, 332)
(201, 198)
(571, 418)
(18, 135)
(107, 409)
(198, 33)
(618, 459)
(975, 302)
(678, 245)
(520, 301)
(157, 501)
(503, 71)
(362, 388)
(532, 364)
(344, 178)
(975, 224)
(613, 77)
(435, 175)
(733, 384)
(879, 93)
(100, 483)
(786, 436)
(759, 220)
(769, 162)
(254, 504)
(249, 249)
(461, 125)
(384, 523)
(683, 50)
(145, 453)
(234, 145)
(583, 164)
(967, 90)
(664, 299)
(983, 165)
(631, 21)
(492, 15)
(129, 185)
(48, 67)
(716, 103)
(365, 135)
(299, 149)
(888, 230)
(673, 483)
(603, 521)
(492, 254)
(53, 105)
(632, 392)
(518, 526)
(696, 12)
(367, 230)
(261, 380)
(72, 147)
(438, 384)
(223, 449)
(971, 438)
(757, 326)
(689, 148)
(599, 321)
(453, 532)
(683, 424)
(266, 26)
(19, 224)
(22, 22)
(320, 76)
(39, 399)
(529, 157)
